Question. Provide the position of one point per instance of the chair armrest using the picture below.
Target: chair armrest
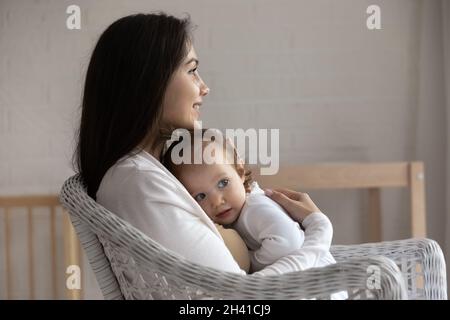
(420, 260)
(171, 277)
(320, 283)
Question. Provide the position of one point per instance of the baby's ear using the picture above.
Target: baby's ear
(240, 170)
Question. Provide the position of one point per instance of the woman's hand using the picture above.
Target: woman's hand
(298, 204)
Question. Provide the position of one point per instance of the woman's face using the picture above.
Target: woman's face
(183, 98)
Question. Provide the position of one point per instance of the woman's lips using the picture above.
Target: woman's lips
(197, 109)
(223, 213)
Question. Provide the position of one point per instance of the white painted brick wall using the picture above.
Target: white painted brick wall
(336, 91)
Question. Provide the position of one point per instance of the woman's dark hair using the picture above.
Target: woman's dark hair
(166, 158)
(127, 77)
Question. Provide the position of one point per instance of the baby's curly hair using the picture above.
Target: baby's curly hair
(166, 159)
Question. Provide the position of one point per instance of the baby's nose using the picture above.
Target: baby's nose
(217, 199)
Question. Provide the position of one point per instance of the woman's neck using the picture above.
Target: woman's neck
(156, 141)
(155, 152)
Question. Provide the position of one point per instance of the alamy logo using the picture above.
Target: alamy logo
(74, 19)
(258, 142)
(374, 20)
(73, 281)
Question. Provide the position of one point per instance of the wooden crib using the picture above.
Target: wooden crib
(59, 228)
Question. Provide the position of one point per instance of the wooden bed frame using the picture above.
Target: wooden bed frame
(370, 176)
(72, 251)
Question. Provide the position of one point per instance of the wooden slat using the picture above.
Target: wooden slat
(374, 214)
(417, 199)
(356, 176)
(337, 176)
(8, 269)
(31, 254)
(53, 251)
(71, 254)
(29, 201)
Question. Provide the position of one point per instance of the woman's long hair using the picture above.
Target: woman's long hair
(126, 80)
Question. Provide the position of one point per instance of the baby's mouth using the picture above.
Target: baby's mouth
(223, 213)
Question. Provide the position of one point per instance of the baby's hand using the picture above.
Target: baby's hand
(298, 204)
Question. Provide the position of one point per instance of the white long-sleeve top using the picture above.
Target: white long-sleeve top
(270, 233)
(140, 190)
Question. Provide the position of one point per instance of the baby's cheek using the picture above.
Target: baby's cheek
(207, 210)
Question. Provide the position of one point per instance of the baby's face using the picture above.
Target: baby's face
(218, 189)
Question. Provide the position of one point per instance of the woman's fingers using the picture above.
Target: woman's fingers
(284, 201)
(290, 193)
(297, 204)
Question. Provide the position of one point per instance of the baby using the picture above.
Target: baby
(226, 193)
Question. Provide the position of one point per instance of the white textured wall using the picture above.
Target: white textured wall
(336, 90)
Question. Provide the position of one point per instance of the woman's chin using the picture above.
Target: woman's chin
(188, 125)
(197, 124)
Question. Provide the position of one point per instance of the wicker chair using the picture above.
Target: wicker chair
(130, 265)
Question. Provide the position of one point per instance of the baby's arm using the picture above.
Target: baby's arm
(270, 226)
(318, 230)
(318, 235)
(300, 207)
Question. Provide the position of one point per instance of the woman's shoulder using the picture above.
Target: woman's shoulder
(136, 172)
(141, 164)
(139, 161)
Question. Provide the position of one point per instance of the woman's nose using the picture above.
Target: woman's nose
(204, 90)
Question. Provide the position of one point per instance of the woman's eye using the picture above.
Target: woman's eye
(223, 183)
(199, 197)
(193, 70)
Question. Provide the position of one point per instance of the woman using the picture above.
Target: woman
(143, 82)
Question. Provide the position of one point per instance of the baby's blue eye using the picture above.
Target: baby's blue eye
(199, 197)
(223, 183)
